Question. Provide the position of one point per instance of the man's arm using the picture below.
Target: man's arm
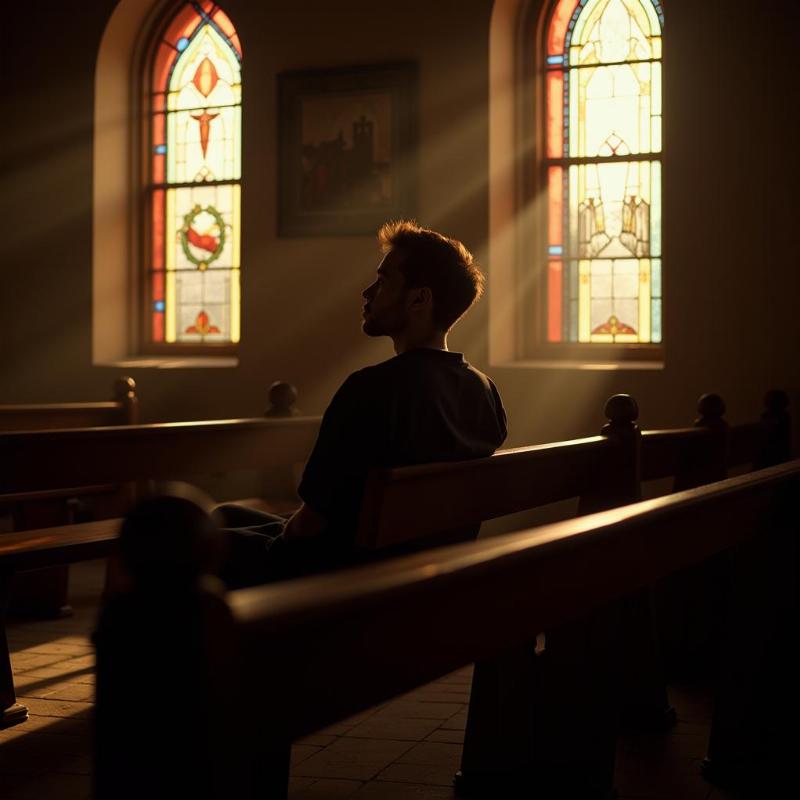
(304, 523)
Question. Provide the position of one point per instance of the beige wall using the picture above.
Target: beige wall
(730, 207)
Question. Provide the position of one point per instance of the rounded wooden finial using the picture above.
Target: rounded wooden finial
(621, 409)
(124, 387)
(711, 406)
(168, 537)
(776, 401)
(282, 397)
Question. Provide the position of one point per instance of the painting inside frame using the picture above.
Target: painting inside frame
(347, 154)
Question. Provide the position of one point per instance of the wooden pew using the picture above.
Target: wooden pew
(402, 505)
(689, 605)
(260, 667)
(55, 460)
(602, 470)
(44, 592)
(122, 410)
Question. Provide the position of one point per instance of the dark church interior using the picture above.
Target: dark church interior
(399, 400)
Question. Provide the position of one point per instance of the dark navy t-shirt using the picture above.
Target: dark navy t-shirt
(419, 407)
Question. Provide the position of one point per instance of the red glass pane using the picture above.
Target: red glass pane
(158, 102)
(555, 114)
(183, 24)
(237, 45)
(157, 286)
(162, 63)
(555, 205)
(158, 229)
(158, 326)
(159, 132)
(558, 26)
(554, 274)
(224, 23)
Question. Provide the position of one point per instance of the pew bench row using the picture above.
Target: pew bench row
(408, 508)
(260, 667)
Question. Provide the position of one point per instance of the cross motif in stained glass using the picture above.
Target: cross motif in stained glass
(195, 179)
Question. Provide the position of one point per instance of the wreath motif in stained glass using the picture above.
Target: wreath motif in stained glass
(194, 195)
(209, 242)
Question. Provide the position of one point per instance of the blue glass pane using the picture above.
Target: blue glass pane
(183, 43)
(656, 277)
(161, 149)
(158, 305)
(555, 250)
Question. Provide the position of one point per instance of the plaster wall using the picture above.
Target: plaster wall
(731, 268)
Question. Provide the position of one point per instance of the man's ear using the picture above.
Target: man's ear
(421, 297)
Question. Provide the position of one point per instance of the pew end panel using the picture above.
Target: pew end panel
(44, 593)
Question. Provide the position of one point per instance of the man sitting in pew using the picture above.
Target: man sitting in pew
(425, 404)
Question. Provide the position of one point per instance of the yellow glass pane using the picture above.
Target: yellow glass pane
(655, 140)
(169, 315)
(644, 300)
(655, 89)
(584, 301)
(235, 306)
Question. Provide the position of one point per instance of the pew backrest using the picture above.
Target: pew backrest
(438, 503)
(420, 501)
(43, 460)
(123, 409)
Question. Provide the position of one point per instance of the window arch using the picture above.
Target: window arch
(193, 96)
(601, 130)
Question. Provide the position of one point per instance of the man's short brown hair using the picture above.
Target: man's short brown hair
(444, 265)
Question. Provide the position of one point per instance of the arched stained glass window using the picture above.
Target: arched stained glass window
(603, 171)
(195, 174)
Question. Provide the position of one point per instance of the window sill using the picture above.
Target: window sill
(576, 364)
(171, 362)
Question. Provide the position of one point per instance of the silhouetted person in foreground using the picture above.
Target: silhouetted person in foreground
(426, 404)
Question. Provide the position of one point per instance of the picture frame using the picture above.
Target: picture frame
(347, 149)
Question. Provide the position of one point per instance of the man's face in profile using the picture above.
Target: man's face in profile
(384, 309)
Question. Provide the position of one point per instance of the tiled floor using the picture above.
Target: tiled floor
(407, 749)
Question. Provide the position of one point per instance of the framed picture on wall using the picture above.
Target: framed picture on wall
(347, 149)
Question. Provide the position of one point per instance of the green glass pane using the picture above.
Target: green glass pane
(656, 321)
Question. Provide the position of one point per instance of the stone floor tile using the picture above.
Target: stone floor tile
(326, 789)
(63, 691)
(317, 739)
(56, 648)
(55, 726)
(433, 775)
(442, 754)
(337, 729)
(297, 783)
(384, 790)
(458, 722)
(382, 726)
(58, 708)
(354, 759)
(435, 696)
(445, 735)
(300, 752)
(411, 709)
